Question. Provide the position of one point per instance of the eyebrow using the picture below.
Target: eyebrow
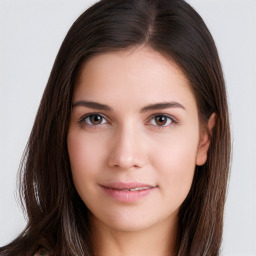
(91, 104)
(157, 106)
(162, 105)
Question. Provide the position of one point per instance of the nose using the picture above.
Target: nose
(127, 149)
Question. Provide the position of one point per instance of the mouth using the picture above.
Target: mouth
(135, 189)
(128, 192)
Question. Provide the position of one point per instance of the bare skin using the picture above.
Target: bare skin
(140, 243)
(134, 141)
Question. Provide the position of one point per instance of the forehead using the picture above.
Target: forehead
(138, 74)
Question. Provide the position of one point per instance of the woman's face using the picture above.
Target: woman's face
(134, 139)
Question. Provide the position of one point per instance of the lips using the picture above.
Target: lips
(131, 186)
(135, 189)
(128, 192)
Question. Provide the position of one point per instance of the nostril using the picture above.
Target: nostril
(126, 161)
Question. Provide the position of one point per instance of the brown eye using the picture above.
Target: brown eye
(161, 120)
(94, 119)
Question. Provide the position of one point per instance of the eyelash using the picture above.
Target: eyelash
(172, 121)
(82, 121)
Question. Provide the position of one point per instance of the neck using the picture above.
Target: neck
(158, 240)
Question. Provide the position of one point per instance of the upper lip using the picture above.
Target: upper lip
(127, 185)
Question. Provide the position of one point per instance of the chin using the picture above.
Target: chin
(134, 220)
(130, 225)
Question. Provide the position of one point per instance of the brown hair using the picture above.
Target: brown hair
(56, 214)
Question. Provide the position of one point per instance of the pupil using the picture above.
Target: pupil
(96, 119)
(160, 120)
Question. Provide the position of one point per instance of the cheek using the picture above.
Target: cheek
(86, 155)
(84, 151)
(175, 161)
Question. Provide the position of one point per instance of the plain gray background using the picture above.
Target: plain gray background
(30, 35)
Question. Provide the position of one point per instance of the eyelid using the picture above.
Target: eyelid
(173, 119)
(83, 118)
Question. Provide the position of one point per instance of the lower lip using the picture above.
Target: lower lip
(127, 196)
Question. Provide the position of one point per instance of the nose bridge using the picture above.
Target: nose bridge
(127, 147)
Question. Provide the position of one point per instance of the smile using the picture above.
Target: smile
(134, 189)
(128, 192)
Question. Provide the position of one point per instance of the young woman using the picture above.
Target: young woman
(129, 153)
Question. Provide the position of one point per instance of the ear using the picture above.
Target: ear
(205, 140)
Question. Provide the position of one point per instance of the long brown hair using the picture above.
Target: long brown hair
(56, 214)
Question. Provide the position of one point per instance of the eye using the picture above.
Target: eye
(93, 119)
(162, 120)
